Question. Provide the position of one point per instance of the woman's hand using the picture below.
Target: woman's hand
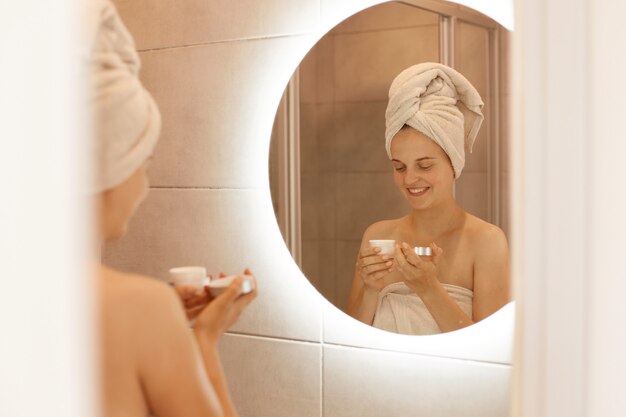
(373, 267)
(222, 311)
(419, 273)
(194, 300)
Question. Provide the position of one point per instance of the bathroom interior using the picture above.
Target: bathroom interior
(272, 156)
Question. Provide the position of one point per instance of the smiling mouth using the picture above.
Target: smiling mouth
(416, 192)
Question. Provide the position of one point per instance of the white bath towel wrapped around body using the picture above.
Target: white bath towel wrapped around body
(400, 310)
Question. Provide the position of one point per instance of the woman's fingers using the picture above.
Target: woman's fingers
(369, 251)
(376, 276)
(437, 252)
(374, 260)
(400, 260)
(410, 255)
(185, 292)
(197, 300)
(193, 312)
(368, 270)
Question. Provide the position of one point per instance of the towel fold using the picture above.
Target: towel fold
(400, 310)
(126, 119)
(440, 103)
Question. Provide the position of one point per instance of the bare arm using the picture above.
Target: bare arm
(180, 369)
(363, 300)
(367, 282)
(170, 366)
(491, 282)
(421, 276)
(492, 286)
(211, 323)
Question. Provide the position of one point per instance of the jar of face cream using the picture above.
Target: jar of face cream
(189, 276)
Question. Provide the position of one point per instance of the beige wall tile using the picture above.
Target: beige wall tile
(318, 265)
(366, 63)
(326, 69)
(318, 211)
(472, 193)
(363, 199)
(326, 145)
(319, 261)
(472, 55)
(272, 378)
(218, 104)
(328, 268)
(169, 23)
(316, 73)
(308, 77)
(390, 15)
(367, 383)
(333, 12)
(347, 252)
(311, 262)
(224, 230)
(360, 137)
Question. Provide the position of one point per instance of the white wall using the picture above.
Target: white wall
(45, 345)
(569, 127)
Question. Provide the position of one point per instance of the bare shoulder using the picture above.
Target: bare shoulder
(133, 295)
(487, 239)
(383, 229)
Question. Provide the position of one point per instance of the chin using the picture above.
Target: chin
(418, 204)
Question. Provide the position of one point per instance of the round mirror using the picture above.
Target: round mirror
(332, 179)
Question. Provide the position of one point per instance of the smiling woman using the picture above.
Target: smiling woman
(433, 114)
(411, 294)
(331, 134)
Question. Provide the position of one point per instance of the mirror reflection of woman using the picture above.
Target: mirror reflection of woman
(152, 363)
(433, 116)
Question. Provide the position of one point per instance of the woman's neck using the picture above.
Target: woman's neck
(436, 221)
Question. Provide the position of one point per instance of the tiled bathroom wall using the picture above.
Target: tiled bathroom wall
(217, 70)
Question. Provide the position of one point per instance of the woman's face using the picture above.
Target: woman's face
(422, 170)
(120, 203)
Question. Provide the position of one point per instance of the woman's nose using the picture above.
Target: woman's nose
(411, 176)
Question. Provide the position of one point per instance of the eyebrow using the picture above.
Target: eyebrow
(417, 160)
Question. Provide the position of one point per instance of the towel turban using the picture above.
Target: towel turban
(126, 119)
(440, 103)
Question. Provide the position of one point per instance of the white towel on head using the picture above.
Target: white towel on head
(126, 119)
(440, 103)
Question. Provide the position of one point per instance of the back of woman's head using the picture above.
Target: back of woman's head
(126, 119)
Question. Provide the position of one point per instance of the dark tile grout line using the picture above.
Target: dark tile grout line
(224, 41)
(157, 187)
(340, 345)
(377, 30)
